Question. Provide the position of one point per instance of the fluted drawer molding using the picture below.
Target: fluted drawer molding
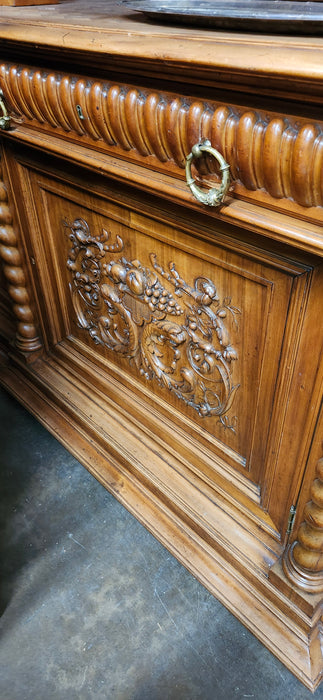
(277, 154)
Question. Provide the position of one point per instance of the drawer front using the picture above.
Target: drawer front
(189, 332)
(275, 158)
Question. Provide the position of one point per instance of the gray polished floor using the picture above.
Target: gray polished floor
(93, 607)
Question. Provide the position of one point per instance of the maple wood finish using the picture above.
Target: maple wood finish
(175, 348)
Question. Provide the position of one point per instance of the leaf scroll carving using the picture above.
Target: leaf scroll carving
(170, 331)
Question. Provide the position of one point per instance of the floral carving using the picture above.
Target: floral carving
(170, 331)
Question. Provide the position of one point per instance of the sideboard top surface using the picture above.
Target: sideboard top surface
(109, 29)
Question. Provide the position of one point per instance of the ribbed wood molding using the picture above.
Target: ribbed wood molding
(279, 155)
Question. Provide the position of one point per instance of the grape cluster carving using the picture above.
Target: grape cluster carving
(170, 331)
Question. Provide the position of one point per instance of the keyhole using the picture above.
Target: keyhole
(79, 111)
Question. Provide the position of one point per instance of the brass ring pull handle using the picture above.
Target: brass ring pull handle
(215, 195)
(4, 118)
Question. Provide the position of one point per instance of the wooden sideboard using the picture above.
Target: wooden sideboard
(174, 347)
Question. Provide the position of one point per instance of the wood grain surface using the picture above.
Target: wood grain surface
(182, 344)
(271, 156)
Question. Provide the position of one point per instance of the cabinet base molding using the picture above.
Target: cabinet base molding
(267, 605)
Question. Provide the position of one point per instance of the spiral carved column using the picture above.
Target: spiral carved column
(27, 340)
(303, 560)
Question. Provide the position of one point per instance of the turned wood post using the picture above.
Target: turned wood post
(27, 340)
(303, 560)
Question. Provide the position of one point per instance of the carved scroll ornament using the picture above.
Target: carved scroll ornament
(266, 152)
(170, 331)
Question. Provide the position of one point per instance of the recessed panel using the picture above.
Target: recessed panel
(193, 329)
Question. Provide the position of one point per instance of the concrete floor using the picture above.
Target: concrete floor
(93, 607)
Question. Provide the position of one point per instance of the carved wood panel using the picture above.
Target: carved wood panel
(177, 333)
(168, 330)
(278, 157)
(192, 337)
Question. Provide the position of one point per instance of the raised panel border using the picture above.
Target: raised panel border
(284, 264)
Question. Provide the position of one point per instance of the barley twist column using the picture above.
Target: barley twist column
(303, 560)
(27, 340)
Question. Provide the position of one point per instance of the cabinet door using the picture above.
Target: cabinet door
(187, 328)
